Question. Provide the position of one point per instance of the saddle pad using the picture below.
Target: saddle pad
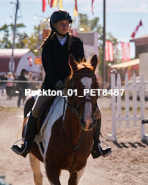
(55, 112)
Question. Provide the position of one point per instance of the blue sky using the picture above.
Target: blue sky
(122, 16)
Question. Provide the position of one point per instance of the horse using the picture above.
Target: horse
(67, 137)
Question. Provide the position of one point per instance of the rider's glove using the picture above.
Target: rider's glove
(59, 85)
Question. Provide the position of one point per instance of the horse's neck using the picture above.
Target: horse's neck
(72, 127)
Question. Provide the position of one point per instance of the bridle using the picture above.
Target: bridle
(75, 107)
(74, 110)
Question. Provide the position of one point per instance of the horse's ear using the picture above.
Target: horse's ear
(94, 62)
(72, 62)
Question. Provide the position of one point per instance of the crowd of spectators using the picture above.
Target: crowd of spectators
(10, 85)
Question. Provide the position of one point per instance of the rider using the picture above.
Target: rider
(55, 54)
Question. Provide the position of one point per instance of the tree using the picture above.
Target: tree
(5, 43)
(94, 25)
(21, 37)
(8, 30)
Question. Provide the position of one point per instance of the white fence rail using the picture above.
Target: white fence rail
(117, 117)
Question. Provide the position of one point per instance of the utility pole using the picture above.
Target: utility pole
(13, 44)
(104, 39)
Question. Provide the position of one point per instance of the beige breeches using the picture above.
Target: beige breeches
(38, 104)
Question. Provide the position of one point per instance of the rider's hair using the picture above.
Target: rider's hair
(50, 36)
(69, 40)
(45, 40)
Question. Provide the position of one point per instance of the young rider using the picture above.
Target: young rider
(55, 54)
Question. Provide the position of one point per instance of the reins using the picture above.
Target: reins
(74, 110)
(80, 140)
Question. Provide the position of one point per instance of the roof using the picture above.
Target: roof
(140, 40)
(17, 52)
(126, 64)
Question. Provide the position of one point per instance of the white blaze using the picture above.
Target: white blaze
(86, 81)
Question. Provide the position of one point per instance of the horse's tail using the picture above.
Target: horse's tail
(29, 102)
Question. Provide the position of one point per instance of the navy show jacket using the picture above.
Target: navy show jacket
(55, 59)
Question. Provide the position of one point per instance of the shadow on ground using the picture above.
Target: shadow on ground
(130, 144)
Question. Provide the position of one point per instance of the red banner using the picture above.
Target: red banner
(128, 52)
(109, 51)
(43, 5)
(123, 47)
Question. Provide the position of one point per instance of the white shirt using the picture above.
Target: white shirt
(63, 40)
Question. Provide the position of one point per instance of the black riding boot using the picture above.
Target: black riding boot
(30, 133)
(97, 151)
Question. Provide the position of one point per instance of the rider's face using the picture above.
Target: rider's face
(61, 26)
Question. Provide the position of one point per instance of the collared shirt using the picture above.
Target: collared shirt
(63, 40)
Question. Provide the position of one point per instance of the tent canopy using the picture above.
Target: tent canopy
(126, 64)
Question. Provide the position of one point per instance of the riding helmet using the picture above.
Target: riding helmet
(60, 15)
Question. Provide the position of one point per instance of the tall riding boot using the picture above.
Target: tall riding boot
(97, 151)
(30, 133)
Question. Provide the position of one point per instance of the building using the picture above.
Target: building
(141, 45)
(23, 59)
(140, 63)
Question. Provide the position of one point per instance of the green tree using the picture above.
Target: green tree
(94, 25)
(5, 42)
(20, 40)
(7, 30)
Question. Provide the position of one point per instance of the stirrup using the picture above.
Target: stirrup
(99, 147)
(25, 143)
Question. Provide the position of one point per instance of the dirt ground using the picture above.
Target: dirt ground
(128, 164)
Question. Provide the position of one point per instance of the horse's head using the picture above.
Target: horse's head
(84, 100)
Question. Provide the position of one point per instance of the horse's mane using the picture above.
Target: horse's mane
(82, 65)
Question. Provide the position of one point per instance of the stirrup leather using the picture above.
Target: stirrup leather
(99, 147)
(25, 143)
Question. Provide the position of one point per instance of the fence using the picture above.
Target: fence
(135, 88)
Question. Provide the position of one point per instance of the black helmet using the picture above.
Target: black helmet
(60, 15)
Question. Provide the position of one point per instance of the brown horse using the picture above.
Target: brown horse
(65, 140)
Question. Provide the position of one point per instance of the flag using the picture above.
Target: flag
(92, 7)
(123, 47)
(128, 52)
(60, 4)
(75, 12)
(43, 5)
(53, 3)
(109, 51)
(134, 33)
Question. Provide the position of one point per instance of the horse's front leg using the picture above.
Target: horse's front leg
(53, 173)
(35, 165)
(75, 177)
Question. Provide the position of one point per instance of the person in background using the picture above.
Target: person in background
(30, 79)
(9, 85)
(3, 84)
(40, 77)
(22, 86)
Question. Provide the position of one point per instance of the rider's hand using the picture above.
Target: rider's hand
(59, 85)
